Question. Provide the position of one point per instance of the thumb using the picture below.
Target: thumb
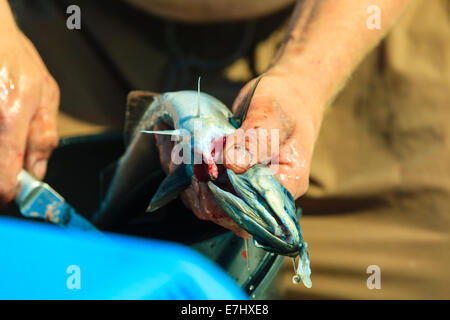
(13, 134)
(42, 135)
(260, 136)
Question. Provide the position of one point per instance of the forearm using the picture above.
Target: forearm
(325, 42)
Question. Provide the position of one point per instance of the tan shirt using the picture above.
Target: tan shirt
(210, 10)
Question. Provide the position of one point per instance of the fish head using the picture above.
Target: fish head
(259, 204)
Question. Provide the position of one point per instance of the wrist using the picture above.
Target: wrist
(306, 96)
(316, 74)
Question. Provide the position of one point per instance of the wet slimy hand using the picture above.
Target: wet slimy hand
(29, 100)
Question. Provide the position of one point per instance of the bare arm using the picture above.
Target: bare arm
(327, 39)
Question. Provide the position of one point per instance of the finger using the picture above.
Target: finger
(42, 134)
(200, 200)
(14, 123)
(215, 213)
(260, 136)
(293, 165)
(12, 147)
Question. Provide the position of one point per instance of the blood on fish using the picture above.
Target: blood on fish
(244, 254)
(208, 170)
(212, 168)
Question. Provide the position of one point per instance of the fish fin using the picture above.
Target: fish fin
(137, 103)
(239, 118)
(303, 269)
(106, 176)
(257, 244)
(235, 122)
(298, 212)
(171, 187)
(177, 132)
(198, 97)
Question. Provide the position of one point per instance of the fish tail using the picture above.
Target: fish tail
(303, 271)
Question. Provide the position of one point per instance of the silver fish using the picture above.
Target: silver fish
(255, 200)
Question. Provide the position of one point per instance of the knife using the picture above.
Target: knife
(37, 199)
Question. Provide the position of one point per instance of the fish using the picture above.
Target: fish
(255, 200)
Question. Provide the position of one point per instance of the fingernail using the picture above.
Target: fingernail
(39, 169)
(238, 159)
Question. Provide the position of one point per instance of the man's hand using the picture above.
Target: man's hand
(29, 99)
(277, 105)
